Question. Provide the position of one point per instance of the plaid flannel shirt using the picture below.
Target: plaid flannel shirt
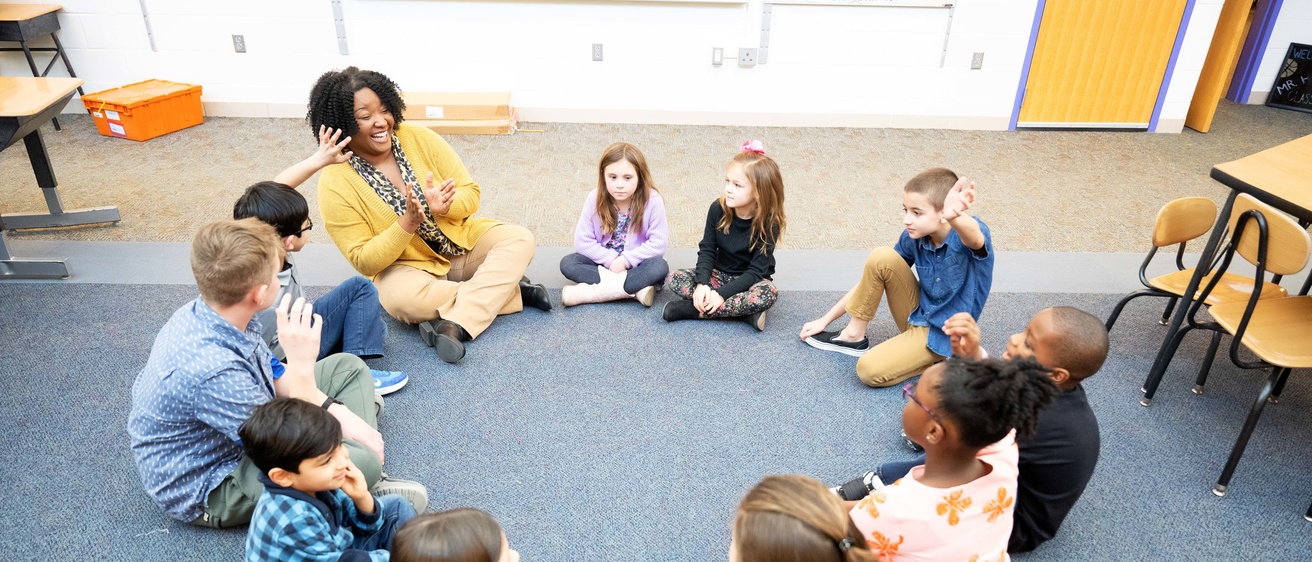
(292, 526)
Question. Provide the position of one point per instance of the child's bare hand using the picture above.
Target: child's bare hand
(714, 302)
(331, 150)
(959, 199)
(812, 328)
(699, 297)
(964, 334)
(358, 489)
(620, 265)
(299, 330)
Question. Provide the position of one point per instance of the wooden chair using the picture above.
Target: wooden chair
(1179, 222)
(1273, 329)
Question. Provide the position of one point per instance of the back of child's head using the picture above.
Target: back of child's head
(934, 184)
(459, 535)
(988, 398)
(1080, 341)
(617, 152)
(229, 258)
(280, 206)
(285, 431)
(790, 518)
(768, 222)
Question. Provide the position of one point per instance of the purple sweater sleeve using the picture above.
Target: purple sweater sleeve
(588, 238)
(654, 231)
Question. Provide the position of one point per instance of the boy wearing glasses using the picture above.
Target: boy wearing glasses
(352, 316)
(1056, 462)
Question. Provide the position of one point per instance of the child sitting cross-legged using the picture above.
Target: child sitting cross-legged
(958, 505)
(316, 504)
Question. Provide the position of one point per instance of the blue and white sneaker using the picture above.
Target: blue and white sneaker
(387, 382)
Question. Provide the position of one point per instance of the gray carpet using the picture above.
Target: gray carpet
(640, 449)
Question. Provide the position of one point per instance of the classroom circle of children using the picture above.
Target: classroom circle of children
(258, 407)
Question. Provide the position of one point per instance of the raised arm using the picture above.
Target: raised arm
(330, 152)
(959, 200)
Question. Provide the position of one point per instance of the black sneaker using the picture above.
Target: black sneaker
(829, 341)
(856, 488)
(906, 441)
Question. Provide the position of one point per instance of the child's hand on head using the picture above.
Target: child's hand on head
(964, 334)
(330, 149)
(959, 199)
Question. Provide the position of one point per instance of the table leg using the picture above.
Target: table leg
(1170, 344)
(59, 48)
(45, 178)
(13, 268)
(37, 73)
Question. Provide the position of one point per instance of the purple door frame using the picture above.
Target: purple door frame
(1241, 84)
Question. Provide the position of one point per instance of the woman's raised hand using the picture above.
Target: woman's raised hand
(439, 197)
(413, 214)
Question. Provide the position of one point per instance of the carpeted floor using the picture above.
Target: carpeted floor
(638, 450)
(1039, 191)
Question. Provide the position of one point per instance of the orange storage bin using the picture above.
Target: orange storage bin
(145, 110)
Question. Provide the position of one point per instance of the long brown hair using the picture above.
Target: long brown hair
(459, 535)
(605, 203)
(794, 517)
(768, 223)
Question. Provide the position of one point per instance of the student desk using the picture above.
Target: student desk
(1280, 177)
(21, 22)
(25, 105)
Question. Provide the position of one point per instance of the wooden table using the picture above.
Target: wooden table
(25, 105)
(1280, 177)
(21, 22)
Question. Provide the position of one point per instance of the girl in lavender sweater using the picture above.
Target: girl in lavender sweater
(621, 236)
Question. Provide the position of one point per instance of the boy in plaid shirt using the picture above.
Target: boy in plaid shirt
(316, 505)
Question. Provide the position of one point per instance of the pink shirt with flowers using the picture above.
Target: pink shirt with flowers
(908, 521)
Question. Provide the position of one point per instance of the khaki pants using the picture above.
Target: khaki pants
(482, 284)
(342, 376)
(887, 275)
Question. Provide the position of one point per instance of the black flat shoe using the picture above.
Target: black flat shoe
(535, 296)
(679, 309)
(447, 336)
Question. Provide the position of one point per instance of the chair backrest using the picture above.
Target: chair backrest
(1183, 220)
(1288, 243)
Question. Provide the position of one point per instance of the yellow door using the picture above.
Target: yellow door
(1099, 64)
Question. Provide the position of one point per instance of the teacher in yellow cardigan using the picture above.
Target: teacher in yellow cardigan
(401, 209)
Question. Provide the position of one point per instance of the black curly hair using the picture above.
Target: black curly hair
(332, 100)
(988, 398)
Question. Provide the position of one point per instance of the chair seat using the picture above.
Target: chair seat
(1278, 332)
(1231, 287)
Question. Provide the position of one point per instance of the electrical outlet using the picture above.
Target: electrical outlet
(746, 57)
(717, 56)
(977, 61)
(239, 43)
(596, 51)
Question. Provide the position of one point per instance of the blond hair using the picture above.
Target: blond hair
(768, 223)
(606, 204)
(231, 257)
(934, 184)
(794, 517)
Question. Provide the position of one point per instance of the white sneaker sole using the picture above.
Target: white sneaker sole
(826, 346)
(385, 390)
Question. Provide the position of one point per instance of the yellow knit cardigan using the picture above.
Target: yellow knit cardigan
(368, 231)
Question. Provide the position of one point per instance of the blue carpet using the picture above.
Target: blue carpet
(602, 433)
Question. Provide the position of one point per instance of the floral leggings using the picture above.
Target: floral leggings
(756, 298)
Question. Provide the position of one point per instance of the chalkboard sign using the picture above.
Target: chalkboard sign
(1293, 87)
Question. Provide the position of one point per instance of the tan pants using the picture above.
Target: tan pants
(902, 356)
(482, 284)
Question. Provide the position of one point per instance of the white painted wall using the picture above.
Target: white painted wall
(827, 65)
(1293, 25)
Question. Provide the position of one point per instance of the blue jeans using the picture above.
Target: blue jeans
(650, 272)
(352, 320)
(394, 511)
(890, 472)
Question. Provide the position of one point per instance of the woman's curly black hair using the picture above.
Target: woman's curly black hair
(332, 100)
(988, 398)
